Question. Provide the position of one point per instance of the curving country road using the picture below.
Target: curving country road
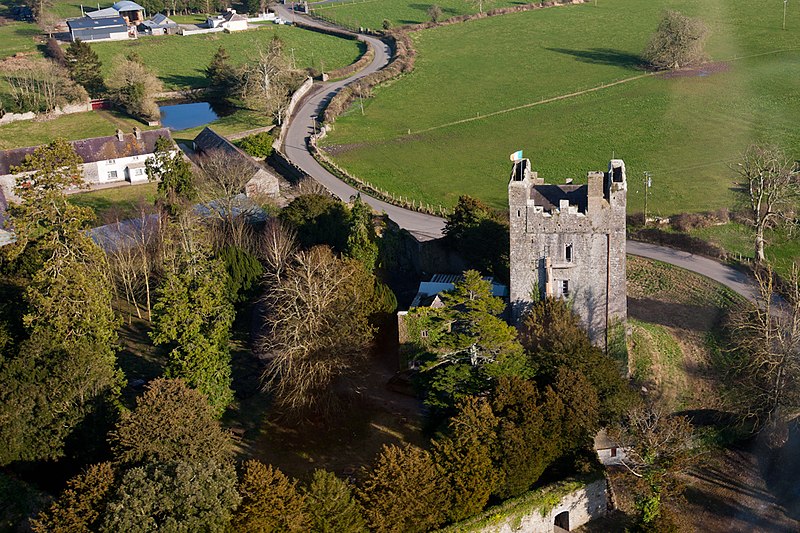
(426, 227)
(301, 127)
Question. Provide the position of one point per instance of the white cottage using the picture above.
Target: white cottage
(117, 158)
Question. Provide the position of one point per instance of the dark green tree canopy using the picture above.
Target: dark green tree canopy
(270, 501)
(331, 505)
(480, 235)
(85, 67)
(318, 219)
(171, 422)
(176, 188)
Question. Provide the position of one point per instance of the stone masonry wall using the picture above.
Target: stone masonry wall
(596, 270)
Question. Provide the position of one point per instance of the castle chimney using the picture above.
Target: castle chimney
(137, 133)
(120, 135)
(595, 192)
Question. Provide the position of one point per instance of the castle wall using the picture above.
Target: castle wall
(571, 253)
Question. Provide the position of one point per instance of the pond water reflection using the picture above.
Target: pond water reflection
(181, 116)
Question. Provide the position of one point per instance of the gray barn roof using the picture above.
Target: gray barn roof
(106, 12)
(127, 5)
(100, 23)
(209, 140)
(160, 21)
(95, 149)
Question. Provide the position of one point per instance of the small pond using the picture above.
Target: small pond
(185, 115)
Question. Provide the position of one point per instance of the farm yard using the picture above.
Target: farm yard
(567, 86)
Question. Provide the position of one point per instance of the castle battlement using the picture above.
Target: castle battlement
(568, 241)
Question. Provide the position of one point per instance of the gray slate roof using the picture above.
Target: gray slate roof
(549, 196)
(99, 23)
(160, 21)
(209, 140)
(95, 149)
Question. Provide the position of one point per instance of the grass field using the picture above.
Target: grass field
(18, 37)
(685, 130)
(71, 127)
(783, 248)
(179, 61)
(371, 13)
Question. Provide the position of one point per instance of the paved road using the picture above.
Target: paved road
(301, 126)
(427, 227)
(735, 280)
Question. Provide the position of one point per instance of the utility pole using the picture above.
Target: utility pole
(785, 3)
(648, 182)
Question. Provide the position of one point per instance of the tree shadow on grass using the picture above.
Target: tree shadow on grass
(182, 81)
(605, 56)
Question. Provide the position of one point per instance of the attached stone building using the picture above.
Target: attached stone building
(568, 241)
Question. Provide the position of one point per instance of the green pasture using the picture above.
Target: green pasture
(180, 61)
(783, 248)
(686, 130)
(70, 127)
(18, 37)
(371, 13)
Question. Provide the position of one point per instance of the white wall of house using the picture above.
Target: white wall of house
(123, 169)
(235, 25)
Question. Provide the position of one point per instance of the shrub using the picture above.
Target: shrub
(258, 145)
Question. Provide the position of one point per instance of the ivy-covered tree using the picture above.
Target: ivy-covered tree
(171, 423)
(270, 501)
(176, 189)
(331, 505)
(85, 67)
(318, 219)
(361, 238)
(193, 317)
(404, 491)
(244, 270)
(480, 235)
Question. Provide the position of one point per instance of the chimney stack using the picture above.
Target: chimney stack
(137, 133)
(120, 135)
(595, 192)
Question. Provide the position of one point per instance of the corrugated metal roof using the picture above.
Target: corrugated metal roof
(101, 23)
(127, 5)
(106, 12)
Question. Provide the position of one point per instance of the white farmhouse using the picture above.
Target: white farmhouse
(229, 21)
(117, 158)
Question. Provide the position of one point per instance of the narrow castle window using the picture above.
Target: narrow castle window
(519, 212)
(565, 288)
(568, 253)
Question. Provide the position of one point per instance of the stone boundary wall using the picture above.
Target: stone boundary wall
(536, 511)
(298, 94)
(365, 59)
(80, 107)
(278, 160)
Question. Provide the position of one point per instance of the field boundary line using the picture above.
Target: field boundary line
(582, 92)
(540, 102)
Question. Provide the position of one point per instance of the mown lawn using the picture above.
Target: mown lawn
(118, 203)
(783, 248)
(685, 130)
(70, 127)
(180, 61)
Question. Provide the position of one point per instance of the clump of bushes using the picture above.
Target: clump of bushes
(258, 145)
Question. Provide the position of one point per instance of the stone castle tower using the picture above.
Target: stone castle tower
(568, 241)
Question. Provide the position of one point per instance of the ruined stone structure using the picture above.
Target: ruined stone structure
(568, 241)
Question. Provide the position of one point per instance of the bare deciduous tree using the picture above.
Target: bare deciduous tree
(276, 246)
(317, 327)
(269, 80)
(221, 187)
(767, 377)
(771, 181)
(657, 447)
(678, 42)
